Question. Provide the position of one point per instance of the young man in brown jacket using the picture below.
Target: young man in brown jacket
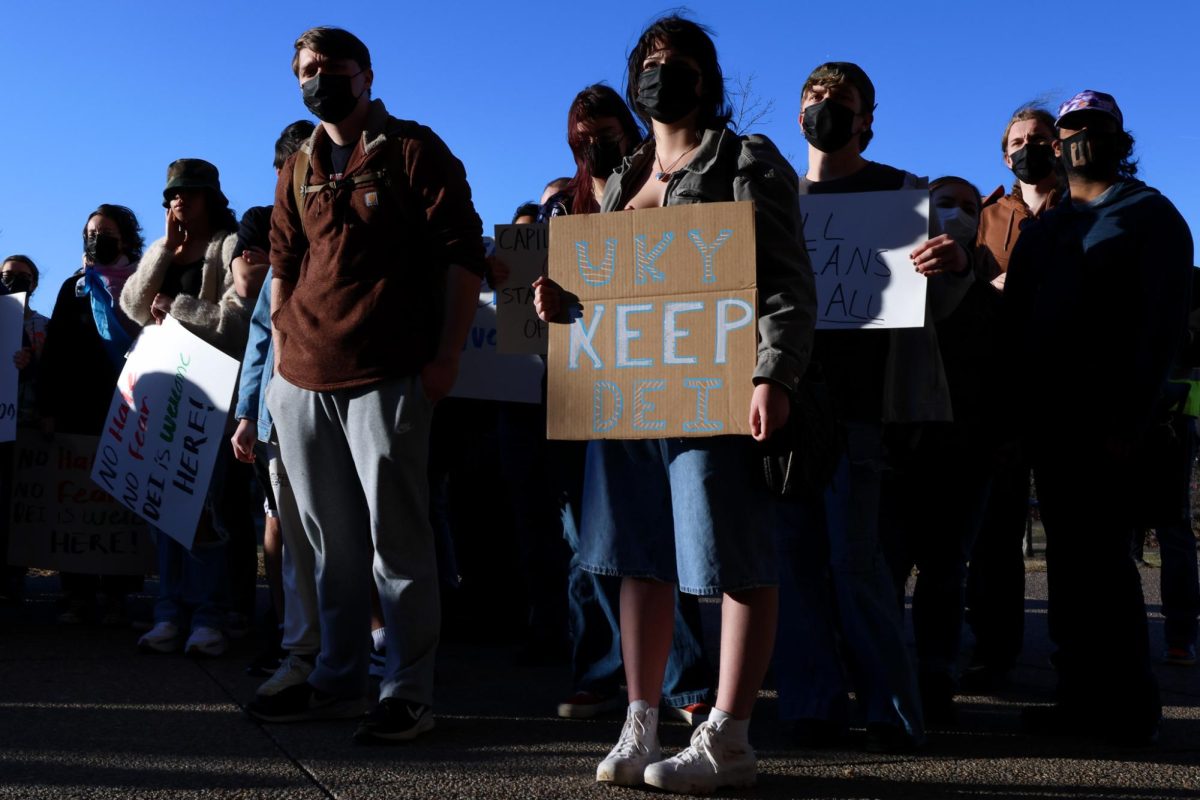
(377, 256)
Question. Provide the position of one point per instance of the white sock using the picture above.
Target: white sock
(649, 717)
(379, 638)
(737, 730)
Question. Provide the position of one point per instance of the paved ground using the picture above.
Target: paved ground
(83, 715)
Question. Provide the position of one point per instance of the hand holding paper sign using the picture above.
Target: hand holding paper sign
(937, 255)
(553, 304)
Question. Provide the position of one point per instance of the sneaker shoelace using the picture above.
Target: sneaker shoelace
(701, 746)
(631, 743)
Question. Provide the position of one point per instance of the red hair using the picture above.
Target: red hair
(593, 103)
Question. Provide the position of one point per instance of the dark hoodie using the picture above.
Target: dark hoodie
(1096, 305)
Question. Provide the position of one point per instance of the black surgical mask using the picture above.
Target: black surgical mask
(667, 92)
(17, 282)
(604, 156)
(828, 125)
(1091, 155)
(1033, 162)
(329, 97)
(103, 248)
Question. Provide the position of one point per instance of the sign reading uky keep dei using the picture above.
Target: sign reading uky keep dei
(165, 427)
(859, 244)
(666, 343)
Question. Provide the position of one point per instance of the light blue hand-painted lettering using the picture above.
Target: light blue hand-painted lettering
(644, 408)
(643, 261)
(726, 324)
(602, 423)
(672, 333)
(594, 275)
(709, 251)
(581, 339)
(625, 335)
(702, 424)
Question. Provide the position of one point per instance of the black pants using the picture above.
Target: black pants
(1097, 613)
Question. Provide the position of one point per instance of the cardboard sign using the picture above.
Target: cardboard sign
(667, 341)
(486, 374)
(61, 520)
(859, 245)
(165, 427)
(525, 249)
(12, 326)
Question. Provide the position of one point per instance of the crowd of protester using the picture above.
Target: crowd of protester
(1056, 342)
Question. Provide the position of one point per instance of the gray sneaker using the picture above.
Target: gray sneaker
(712, 761)
(636, 749)
(292, 670)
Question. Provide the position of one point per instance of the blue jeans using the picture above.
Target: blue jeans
(195, 583)
(855, 598)
(692, 512)
(596, 664)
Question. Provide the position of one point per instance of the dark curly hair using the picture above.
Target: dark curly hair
(132, 242)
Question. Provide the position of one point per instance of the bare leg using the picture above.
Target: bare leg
(273, 563)
(647, 623)
(748, 621)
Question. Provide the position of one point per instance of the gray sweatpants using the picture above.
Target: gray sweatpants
(301, 620)
(357, 463)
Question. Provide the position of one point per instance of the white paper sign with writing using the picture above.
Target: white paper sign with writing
(859, 245)
(165, 428)
(61, 520)
(484, 373)
(12, 325)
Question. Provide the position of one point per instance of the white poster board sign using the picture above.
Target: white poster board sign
(165, 428)
(859, 245)
(60, 521)
(12, 325)
(525, 249)
(486, 374)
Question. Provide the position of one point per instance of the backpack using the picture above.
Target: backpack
(388, 177)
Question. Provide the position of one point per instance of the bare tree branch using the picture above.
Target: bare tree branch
(749, 109)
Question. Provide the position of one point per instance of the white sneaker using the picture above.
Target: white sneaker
(292, 670)
(162, 638)
(205, 641)
(712, 761)
(635, 750)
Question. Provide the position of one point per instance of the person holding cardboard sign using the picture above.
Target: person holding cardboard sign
(601, 132)
(694, 512)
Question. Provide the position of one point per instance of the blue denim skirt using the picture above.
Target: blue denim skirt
(693, 512)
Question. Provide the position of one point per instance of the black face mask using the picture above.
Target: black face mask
(1090, 155)
(102, 248)
(667, 92)
(329, 97)
(17, 282)
(1033, 162)
(604, 156)
(828, 125)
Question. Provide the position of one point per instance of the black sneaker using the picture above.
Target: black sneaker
(394, 720)
(302, 702)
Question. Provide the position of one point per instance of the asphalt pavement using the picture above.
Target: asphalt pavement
(84, 715)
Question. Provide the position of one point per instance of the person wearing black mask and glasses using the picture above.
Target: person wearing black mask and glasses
(1096, 306)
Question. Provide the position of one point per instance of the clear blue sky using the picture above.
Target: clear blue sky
(98, 98)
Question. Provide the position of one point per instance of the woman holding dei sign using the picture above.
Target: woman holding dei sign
(714, 534)
(187, 275)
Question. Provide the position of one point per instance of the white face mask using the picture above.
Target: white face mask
(958, 225)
